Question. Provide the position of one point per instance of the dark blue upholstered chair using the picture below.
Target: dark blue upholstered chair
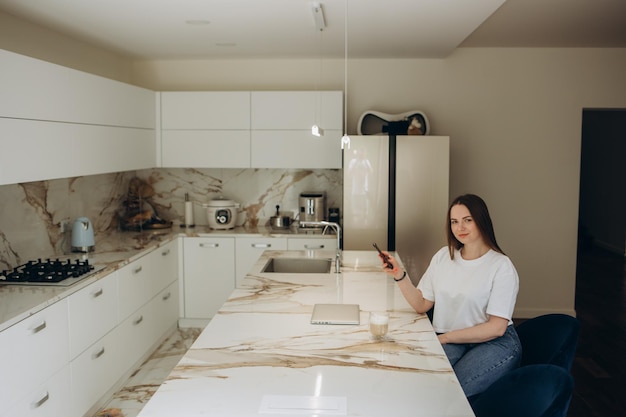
(529, 391)
(549, 339)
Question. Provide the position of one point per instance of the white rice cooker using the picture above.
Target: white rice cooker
(221, 213)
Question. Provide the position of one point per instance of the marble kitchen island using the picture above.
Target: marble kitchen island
(260, 356)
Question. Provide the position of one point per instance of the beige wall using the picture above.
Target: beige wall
(25, 38)
(513, 115)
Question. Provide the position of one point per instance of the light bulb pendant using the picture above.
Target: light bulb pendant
(345, 141)
(317, 131)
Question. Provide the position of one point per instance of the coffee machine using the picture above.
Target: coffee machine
(312, 206)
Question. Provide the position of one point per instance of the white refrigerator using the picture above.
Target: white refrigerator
(396, 193)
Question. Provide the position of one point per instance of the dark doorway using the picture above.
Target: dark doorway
(599, 367)
(602, 202)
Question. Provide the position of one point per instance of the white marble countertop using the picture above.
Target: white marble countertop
(114, 251)
(260, 356)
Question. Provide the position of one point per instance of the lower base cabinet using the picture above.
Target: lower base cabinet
(52, 398)
(209, 265)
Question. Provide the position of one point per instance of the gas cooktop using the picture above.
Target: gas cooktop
(48, 272)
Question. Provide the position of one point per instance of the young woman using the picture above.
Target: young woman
(472, 286)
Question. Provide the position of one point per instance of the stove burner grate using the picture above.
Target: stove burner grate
(46, 272)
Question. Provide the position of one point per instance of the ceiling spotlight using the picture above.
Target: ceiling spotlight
(318, 16)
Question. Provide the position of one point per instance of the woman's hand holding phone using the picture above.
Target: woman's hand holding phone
(384, 257)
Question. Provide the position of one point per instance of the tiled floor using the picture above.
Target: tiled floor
(146, 380)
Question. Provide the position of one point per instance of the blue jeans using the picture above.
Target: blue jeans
(478, 365)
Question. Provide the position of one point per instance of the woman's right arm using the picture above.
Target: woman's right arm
(411, 294)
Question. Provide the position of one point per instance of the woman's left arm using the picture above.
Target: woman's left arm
(491, 329)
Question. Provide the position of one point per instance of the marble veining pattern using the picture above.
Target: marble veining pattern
(261, 343)
(31, 213)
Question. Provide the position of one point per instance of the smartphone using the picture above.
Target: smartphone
(385, 257)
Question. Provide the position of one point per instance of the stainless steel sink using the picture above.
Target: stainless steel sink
(297, 266)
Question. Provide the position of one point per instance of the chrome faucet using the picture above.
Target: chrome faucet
(337, 232)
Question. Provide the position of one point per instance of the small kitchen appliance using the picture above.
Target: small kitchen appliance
(221, 213)
(48, 272)
(82, 235)
(280, 221)
(312, 206)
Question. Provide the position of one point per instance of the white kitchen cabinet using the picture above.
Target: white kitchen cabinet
(248, 251)
(39, 90)
(205, 148)
(59, 122)
(205, 129)
(90, 313)
(281, 129)
(147, 290)
(210, 110)
(209, 265)
(31, 352)
(165, 310)
(296, 149)
(51, 398)
(319, 243)
(296, 110)
(164, 266)
(134, 286)
(99, 367)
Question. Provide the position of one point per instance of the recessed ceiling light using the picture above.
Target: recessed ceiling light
(197, 22)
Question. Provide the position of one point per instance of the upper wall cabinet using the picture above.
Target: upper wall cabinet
(297, 110)
(265, 129)
(212, 110)
(57, 122)
(205, 129)
(39, 90)
(281, 129)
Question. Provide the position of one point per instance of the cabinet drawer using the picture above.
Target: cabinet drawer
(96, 370)
(249, 249)
(32, 351)
(92, 313)
(312, 244)
(165, 310)
(51, 398)
(134, 286)
(163, 266)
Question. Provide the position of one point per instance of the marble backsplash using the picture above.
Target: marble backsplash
(31, 213)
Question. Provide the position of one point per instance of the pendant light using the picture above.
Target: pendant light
(320, 24)
(345, 139)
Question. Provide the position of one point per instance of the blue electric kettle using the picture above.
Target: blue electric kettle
(82, 235)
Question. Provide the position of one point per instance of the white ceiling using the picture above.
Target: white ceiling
(158, 29)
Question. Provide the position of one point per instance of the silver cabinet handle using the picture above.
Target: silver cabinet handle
(167, 296)
(137, 270)
(139, 320)
(39, 402)
(209, 245)
(97, 354)
(261, 245)
(39, 327)
(313, 246)
(97, 293)
(165, 252)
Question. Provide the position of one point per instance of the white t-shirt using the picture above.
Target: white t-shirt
(466, 293)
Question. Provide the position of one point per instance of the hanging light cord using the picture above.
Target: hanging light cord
(345, 140)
